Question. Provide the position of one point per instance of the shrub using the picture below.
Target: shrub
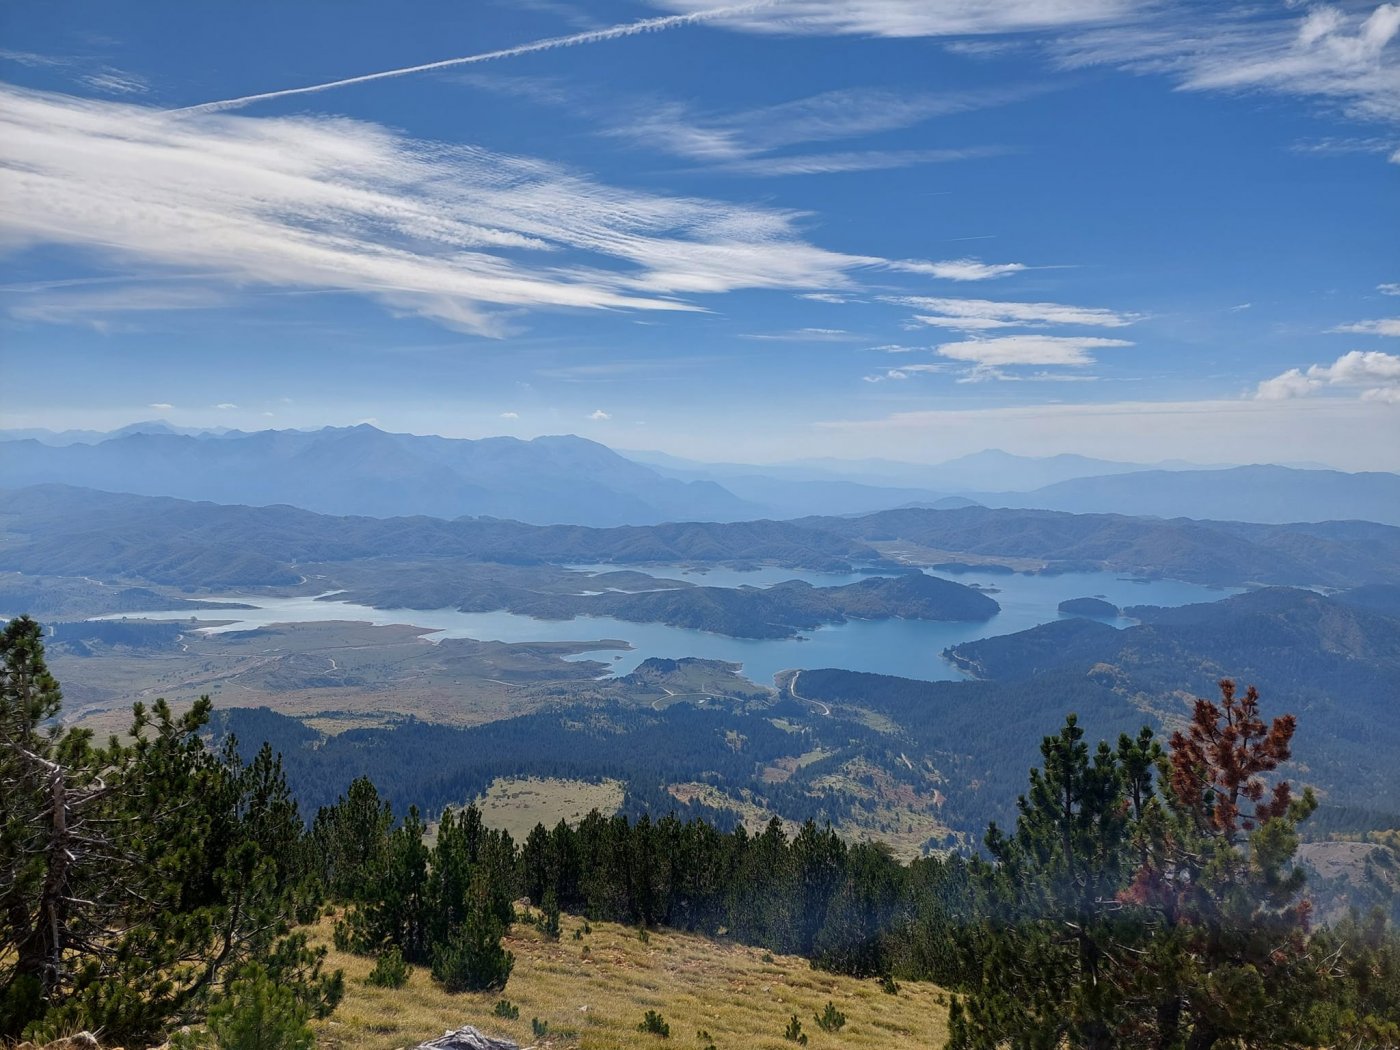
(259, 1013)
(655, 1024)
(343, 937)
(831, 1019)
(507, 1009)
(793, 1033)
(390, 971)
(549, 919)
(643, 935)
(888, 985)
(472, 960)
(539, 1028)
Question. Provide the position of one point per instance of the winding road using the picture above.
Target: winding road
(792, 689)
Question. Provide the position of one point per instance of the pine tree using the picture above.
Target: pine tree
(471, 957)
(1048, 975)
(1230, 956)
(350, 841)
(137, 880)
(395, 905)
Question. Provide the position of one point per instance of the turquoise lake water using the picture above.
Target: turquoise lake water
(909, 648)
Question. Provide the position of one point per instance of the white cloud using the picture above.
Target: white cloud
(1339, 52)
(225, 405)
(959, 269)
(1292, 383)
(745, 142)
(990, 373)
(1381, 326)
(1389, 289)
(824, 297)
(457, 234)
(1375, 375)
(32, 59)
(905, 371)
(598, 415)
(804, 335)
(858, 160)
(117, 82)
(1327, 51)
(1343, 146)
(161, 406)
(911, 18)
(1029, 350)
(77, 304)
(982, 314)
(510, 415)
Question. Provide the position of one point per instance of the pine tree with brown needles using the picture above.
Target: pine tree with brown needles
(1229, 953)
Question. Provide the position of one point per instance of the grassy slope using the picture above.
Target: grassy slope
(728, 990)
(517, 804)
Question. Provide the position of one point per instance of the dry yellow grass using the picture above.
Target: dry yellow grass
(517, 804)
(593, 993)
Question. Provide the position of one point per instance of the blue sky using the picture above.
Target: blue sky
(899, 228)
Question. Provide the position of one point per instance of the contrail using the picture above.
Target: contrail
(593, 36)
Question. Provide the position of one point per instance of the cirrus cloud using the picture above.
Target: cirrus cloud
(972, 315)
(458, 234)
(960, 269)
(1069, 350)
(1380, 326)
(912, 18)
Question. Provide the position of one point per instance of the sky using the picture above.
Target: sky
(907, 229)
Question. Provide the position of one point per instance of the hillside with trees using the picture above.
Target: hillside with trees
(1145, 896)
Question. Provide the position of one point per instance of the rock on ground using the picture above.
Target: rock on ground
(467, 1038)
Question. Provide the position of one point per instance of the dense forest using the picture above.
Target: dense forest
(181, 543)
(1144, 894)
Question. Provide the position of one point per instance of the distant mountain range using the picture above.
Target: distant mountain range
(60, 438)
(363, 470)
(571, 480)
(1078, 484)
(1257, 493)
(991, 470)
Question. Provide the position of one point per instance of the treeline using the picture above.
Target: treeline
(1146, 897)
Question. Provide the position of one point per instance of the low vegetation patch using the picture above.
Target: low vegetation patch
(593, 1001)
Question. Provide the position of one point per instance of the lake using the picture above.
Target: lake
(908, 648)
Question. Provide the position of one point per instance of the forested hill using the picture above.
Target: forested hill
(57, 530)
(1334, 553)
(1335, 664)
(67, 531)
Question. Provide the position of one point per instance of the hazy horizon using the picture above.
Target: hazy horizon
(1118, 230)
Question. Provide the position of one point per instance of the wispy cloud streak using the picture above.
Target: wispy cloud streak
(462, 235)
(592, 36)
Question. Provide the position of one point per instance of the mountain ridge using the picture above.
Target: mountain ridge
(364, 470)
